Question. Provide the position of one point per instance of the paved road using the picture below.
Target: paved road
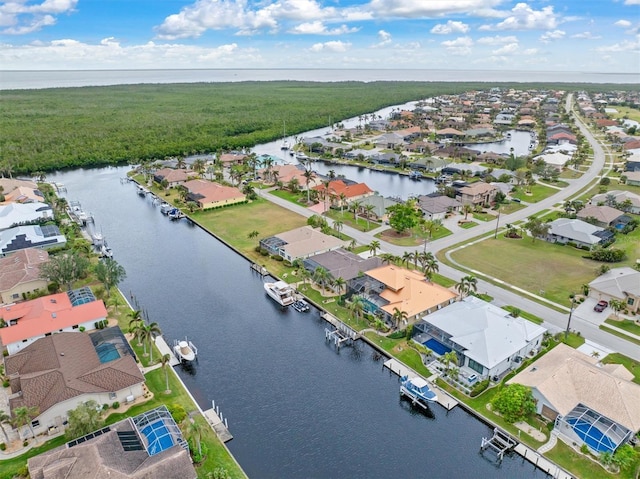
(507, 295)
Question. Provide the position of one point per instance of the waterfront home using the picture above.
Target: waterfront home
(391, 287)
(450, 133)
(633, 178)
(20, 191)
(300, 243)
(125, 449)
(380, 206)
(14, 214)
(208, 194)
(622, 284)
(603, 216)
(488, 340)
(390, 141)
(341, 263)
(625, 200)
(227, 160)
(174, 177)
(286, 173)
(470, 169)
(580, 233)
(561, 138)
(479, 193)
(591, 403)
(30, 320)
(436, 206)
(31, 236)
(341, 192)
(57, 373)
(20, 274)
(431, 163)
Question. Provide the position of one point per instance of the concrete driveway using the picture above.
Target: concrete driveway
(585, 311)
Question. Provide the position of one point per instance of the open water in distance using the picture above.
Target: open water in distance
(34, 79)
(296, 407)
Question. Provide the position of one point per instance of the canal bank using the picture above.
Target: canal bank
(526, 452)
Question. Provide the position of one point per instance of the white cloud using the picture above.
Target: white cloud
(497, 40)
(319, 28)
(530, 51)
(335, 47)
(553, 35)
(623, 23)
(459, 46)
(450, 27)
(632, 2)
(20, 17)
(425, 8)
(508, 49)
(624, 46)
(586, 35)
(384, 38)
(523, 17)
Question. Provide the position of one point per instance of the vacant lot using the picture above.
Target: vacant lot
(536, 266)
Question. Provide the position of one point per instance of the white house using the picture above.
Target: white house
(583, 234)
(622, 284)
(31, 236)
(487, 339)
(23, 213)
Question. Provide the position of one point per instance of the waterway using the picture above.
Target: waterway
(296, 407)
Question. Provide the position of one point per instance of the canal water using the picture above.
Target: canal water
(297, 408)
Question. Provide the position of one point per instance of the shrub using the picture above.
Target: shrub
(584, 449)
(25, 443)
(264, 252)
(82, 329)
(6, 383)
(515, 402)
(3, 446)
(605, 181)
(177, 412)
(115, 405)
(480, 387)
(608, 255)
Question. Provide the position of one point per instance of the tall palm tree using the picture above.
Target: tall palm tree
(337, 225)
(357, 307)
(398, 316)
(466, 285)
(369, 210)
(466, 209)
(343, 199)
(166, 360)
(4, 419)
(195, 432)
(322, 276)
(254, 234)
(23, 415)
(339, 283)
(407, 257)
(374, 246)
(147, 333)
(308, 176)
(355, 207)
(388, 258)
(430, 267)
(448, 358)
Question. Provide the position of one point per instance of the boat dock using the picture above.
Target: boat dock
(164, 349)
(500, 443)
(214, 418)
(444, 399)
(341, 334)
(261, 270)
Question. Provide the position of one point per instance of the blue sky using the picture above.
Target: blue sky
(544, 35)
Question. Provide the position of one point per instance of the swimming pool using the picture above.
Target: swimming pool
(158, 436)
(107, 352)
(437, 347)
(592, 436)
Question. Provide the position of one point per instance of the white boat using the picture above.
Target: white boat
(417, 389)
(301, 306)
(184, 350)
(165, 208)
(281, 292)
(97, 238)
(285, 143)
(301, 156)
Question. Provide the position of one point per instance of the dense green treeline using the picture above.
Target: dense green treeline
(43, 130)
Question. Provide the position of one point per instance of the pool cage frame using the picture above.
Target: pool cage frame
(149, 417)
(613, 431)
(114, 336)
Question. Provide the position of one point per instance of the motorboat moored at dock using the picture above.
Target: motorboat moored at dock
(185, 350)
(280, 292)
(417, 389)
(301, 306)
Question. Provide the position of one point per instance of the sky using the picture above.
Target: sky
(537, 35)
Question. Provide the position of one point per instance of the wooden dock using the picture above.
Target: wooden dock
(164, 348)
(444, 399)
(220, 427)
(539, 461)
(261, 270)
(500, 443)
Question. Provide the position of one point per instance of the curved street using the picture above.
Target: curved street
(508, 295)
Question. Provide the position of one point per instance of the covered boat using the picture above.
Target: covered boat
(417, 389)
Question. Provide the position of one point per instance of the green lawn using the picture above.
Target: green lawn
(484, 217)
(361, 224)
(626, 324)
(412, 237)
(399, 349)
(631, 364)
(518, 263)
(468, 225)
(579, 465)
(510, 207)
(538, 192)
(531, 317)
(287, 195)
(619, 334)
(626, 112)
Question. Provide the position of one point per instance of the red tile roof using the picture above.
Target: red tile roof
(338, 187)
(45, 315)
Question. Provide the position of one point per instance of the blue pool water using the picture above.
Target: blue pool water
(437, 347)
(592, 436)
(369, 306)
(107, 352)
(158, 436)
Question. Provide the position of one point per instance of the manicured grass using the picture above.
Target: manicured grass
(443, 280)
(619, 334)
(573, 340)
(630, 243)
(517, 262)
(538, 192)
(287, 195)
(359, 223)
(626, 324)
(511, 207)
(578, 464)
(570, 174)
(484, 217)
(413, 237)
(468, 225)
(626, 112)
(528, 316)
(631, 364)
(399, 349)
(11, 467)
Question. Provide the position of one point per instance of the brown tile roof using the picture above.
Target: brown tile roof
(338, 187)
(210, 192)
(23, 266)
(63, 366)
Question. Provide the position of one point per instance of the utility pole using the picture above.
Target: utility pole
(573, 303)
(495, 235)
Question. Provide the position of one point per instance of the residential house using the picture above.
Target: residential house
(479, 193)
(625, 200)
(57, 373)
(14, 214)
(603, 216)
(174, 177)
(286, 173)
(581, 233)
(431, 163)
(341, 263)
(561, 138)
(557, 159)
(436, 206)
(20, 191)
(633, 178)
(31, 236)
(449, 133)
(622, 284)
(488, 340)
(390, 141)
(20, 274)
(227, 160)
(120, 451)
(301, 243)
(591, 404)
(208, 194)
(380, 206)
(342, 192)
(30, 320)
(391, 287)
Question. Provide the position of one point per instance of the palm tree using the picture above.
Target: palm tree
(254, 234)
(617, 306)
(4, 419)
(308, 175)
(337, 225)
(321, 276)
(355, 207)
(339, 283)
(407, 257)
(357, 307)
(388, 258)
(374, 246)
(195, 431)
(110, 273)
(199, 166)
(147, 333)
(430, 267)
(23, 415)
(466, 285)
(343, 198)
(165, 360)
(448, 358)
(398, 316)
(134, 324)
(466, 209)
(369, 210)
(181, 163)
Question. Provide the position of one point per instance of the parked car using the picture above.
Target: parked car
(600, 306)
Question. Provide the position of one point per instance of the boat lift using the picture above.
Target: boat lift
(500, 442)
